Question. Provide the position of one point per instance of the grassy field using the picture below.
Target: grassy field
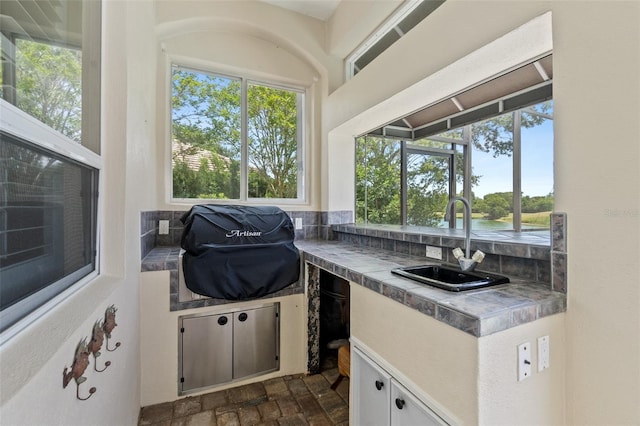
(538, 219)
(474, 215)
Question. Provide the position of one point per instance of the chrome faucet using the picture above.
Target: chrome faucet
(467, 262)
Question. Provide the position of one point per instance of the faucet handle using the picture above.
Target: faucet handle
(458, 253)
(478, 256)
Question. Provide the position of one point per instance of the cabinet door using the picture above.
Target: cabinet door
(206, 351)
(407, 410)
(371, 391)
(255, 341)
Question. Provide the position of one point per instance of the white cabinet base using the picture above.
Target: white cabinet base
(371, 387)
(378, 399)
(408, 410)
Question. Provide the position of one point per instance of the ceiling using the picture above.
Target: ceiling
(526, 85)
(319, 9)
(59, 21)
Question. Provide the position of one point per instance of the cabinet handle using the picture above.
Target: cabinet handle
(242, 317)
(399, 403)
(379, 384)
(222, 320)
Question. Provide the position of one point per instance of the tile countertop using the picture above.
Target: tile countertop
(478, 312)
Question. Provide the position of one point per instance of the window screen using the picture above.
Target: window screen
(47, 218)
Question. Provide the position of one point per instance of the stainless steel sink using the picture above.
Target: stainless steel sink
(449, 278)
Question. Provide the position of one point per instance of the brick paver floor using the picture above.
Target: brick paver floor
(290, 400)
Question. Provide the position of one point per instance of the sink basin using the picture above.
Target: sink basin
(449, 278)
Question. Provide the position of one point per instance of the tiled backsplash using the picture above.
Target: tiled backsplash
(529, 256)
(149, 235)
(315, 225)
(524, 255)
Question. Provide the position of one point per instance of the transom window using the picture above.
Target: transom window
(407, 16)
(235, 139)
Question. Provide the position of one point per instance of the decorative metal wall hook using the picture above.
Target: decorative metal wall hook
(97, 338)
(80, 363)
(109, 325)
(92, 390)
(112, 349)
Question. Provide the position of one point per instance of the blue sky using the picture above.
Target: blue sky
(537, 165)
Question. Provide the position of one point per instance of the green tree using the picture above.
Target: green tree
(273, 142)
(427, 189)
(206, 131)
(496, 206)
(206, 112)
(537, 204)
(378, 181)
(183, 180)
(49, 85)
(206, 122)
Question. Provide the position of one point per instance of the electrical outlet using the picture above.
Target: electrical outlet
(298, 223)
(543, 353)
(434, 252)
(524, 361)
(163, 227)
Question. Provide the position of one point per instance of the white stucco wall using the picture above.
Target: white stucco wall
(467, 380)
(353, 22)
(32, 362)
(597, 176)
(537, 400)
(596, 57)
(454, 30)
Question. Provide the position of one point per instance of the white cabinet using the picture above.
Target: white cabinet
(379, 399)
(371, 387)
(221, 348)
(406, 409)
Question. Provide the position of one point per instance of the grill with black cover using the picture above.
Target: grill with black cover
(238, 252)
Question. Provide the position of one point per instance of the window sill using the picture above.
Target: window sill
(525, 255)
(530, 244)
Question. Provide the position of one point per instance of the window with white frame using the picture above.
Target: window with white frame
(235, 139)
(49, 151)
(407, 16)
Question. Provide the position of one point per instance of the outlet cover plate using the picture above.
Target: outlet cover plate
(543, 353)
(524, 361)
(163, 227)
(434, 252)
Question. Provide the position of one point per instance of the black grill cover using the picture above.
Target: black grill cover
(238, 252)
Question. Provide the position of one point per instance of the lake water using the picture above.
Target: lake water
(488, 225)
